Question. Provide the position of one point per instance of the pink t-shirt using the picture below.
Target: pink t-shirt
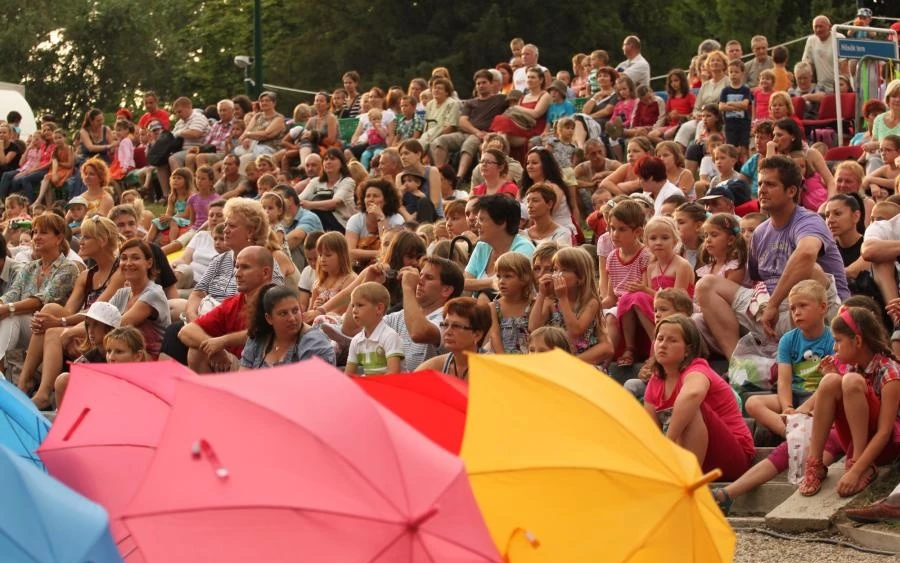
(761, 105)
(719, 398)
(683, 105)
(200, 205)
(623, 273)
(509, 188)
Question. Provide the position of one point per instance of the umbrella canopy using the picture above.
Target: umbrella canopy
(567, 466)
(43, 520)
(106, 432)
(433, 403)
(22, 426)
(297, 463)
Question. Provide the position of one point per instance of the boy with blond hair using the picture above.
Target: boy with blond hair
(799, 353)
(377, 348)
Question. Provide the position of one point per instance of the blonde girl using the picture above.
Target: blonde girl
(542, 261)
(568, 298)
(333, 273)
(125, 344)
(689, 217)
(177, 215)
(512, 306)
(134, 199)
(724, 252)
(273, 205)
(665, 270)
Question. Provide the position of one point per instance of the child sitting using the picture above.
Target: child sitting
(761, 96)
(707, 164)
(100, 319)
(76, 210)
(407, 125)
(377, 348)
(799, 354)
(123, 161)
(376, 136)
(416, 205)
(649, 113)
(548, 338)
(562, 145)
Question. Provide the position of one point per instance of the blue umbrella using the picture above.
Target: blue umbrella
(22, 426)
(44, 521)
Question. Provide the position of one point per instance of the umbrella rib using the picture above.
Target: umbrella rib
(261, 506)
(624, 427)
(651, 529)
(561, 468)
(318, 439)
(21, 547)
(25, 448)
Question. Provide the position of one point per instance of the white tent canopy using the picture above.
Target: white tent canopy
(12, 98)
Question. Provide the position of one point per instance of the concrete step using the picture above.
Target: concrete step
(763, 499)
(746, 522)
(799, 513)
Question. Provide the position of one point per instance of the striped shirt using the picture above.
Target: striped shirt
(623, 273)
(413, 353)
(218, 282)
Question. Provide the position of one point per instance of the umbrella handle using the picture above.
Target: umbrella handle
(202, 448)
(530, 537)
(706, 479)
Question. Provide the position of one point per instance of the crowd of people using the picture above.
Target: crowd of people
(579, 210)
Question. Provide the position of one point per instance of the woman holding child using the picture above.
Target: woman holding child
(693, 405)
(277, 334)
(57, 330)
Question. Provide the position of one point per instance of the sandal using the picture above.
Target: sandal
(723, 499)
(813, 476)
(626, 360)
(863, 482)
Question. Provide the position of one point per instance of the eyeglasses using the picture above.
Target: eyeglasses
(453, 326)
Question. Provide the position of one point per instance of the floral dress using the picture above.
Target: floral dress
(513, 330)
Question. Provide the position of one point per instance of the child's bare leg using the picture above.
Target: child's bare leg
(695, 437)
(62, 383)
(766, 409)
(629, 330)
(646, 324)
(612, 328)
(853, 389)
(827, 396)
(151, 234)
(173, 231)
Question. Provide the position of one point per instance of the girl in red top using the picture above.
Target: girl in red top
(861, 404)
(693, 404)
(679, 106)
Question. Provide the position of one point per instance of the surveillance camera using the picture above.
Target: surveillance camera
(243, 61)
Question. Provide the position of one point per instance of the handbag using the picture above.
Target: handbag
(165, 146)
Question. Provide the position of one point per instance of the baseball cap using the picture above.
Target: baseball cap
(864, 13)
(105, 313)
(77, 200)
(717, 192)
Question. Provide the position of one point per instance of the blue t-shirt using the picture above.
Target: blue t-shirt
(562, 109)
(749, 169)
(804, 356)
(732, 94)
(479, 259)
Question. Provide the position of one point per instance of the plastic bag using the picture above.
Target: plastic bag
(799, 430)
(752, 364)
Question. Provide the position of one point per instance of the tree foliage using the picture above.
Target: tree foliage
(103, 53)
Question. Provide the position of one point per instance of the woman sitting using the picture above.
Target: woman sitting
(192, 263)
(693, 405)
(466, 324)
(498, 222)
(495, 172)
(48, 278)
(533, 107)
(539, 200)
(277, 334)
(57, 331)
(331, 196)
(142, 302)
(381, 204)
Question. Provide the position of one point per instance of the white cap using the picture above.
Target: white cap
(105, 313)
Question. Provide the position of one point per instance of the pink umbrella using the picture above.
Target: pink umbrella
(105, 434)
(296, 463)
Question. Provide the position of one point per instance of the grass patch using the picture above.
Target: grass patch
(156, 208)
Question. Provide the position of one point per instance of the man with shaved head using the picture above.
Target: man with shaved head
(215, 340)
(819, 52)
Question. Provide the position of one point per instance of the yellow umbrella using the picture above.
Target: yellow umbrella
(567, 467)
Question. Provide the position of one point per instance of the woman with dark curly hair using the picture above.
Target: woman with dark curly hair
(380, 204)
(277, 334)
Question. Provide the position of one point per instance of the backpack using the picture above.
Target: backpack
(166, 145)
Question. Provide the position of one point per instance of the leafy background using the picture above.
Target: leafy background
(79, 54)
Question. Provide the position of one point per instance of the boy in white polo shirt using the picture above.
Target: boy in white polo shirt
(377, 348)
